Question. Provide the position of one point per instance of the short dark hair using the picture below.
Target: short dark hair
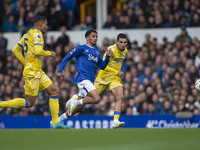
(38, 19)
(89, 32)
(121, 35)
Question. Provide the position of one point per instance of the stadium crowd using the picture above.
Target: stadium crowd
(154, 13)
(159, 78)
(17, 15)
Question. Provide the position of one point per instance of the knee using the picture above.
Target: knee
(30, 100)
(120, 97)
(97, 99)
(31, 103)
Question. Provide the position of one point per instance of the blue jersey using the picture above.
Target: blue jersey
(87, 60)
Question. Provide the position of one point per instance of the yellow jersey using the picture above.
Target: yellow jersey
(32, 45)
(109, 74)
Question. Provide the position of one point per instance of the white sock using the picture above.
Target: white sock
(62, 117)
(79, 102)
(116, 120)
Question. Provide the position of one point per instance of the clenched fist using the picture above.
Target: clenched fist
(109, 52)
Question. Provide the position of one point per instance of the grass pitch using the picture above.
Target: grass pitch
(99, 139)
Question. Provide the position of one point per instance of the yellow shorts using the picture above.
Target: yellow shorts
(100, 86)
(32, 84)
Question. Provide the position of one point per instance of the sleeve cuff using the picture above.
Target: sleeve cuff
(108, 57)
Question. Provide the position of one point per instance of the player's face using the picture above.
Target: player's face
(44, 26)
(122, 43)
(92, 39)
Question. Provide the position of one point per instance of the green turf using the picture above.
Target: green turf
(99, 139)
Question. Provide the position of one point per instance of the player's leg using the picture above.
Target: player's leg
(87, 90)
(15, 103)
(54, 106)
(84, 88)
(47, 86)
(31, 91)
(53, 102)
(118, 92)
(65, 115)
(91, 91)
(75, 97)
(100, 86)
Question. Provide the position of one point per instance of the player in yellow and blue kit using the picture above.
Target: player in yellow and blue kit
(110, 76)
(32, 45)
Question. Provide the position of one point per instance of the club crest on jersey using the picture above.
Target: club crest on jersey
(91, 57)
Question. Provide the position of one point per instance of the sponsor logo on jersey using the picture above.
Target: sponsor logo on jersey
(93, 58)
(119, 59)
(39, 36)
(86, 50)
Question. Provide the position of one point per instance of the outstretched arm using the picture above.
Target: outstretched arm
(73, 53)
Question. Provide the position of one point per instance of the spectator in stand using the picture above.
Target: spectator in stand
(60, 8)
(21, 19)
(3, 49)
(132, 16)
(142, 23)
(195, 20)
(53, 19)
(42, 10)
(10, 25)
(147, 74)
(63, 40)
(151, 22)
(151, 110)
(109, 23)
(166, 110)
(70, 7)
(157, 104)
(90, 22)
(29, 20)
(183, 37)
(197, 60)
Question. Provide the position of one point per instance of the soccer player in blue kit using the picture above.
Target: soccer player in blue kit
(88, 58)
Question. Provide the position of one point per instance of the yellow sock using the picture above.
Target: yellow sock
(116, 115)
(54, 107)
(15, 103)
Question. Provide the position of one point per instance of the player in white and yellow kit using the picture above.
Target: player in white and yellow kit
(32, 45)
(110, 76)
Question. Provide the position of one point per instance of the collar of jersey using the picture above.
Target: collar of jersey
(89, 46)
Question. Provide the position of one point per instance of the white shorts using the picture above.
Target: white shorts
(85, 87)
